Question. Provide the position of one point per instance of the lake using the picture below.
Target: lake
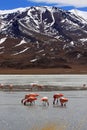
(62, 80)
(16, 116)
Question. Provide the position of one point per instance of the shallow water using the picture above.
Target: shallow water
(63, 80)
(16, 116)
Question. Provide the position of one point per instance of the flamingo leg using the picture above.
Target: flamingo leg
(64, 104)
(34, 102)
(48, 103)
(54, 101)
(25, 103)
(57, 101)
(44, 103)
(22, 100)
(30, 103)
(61, 104)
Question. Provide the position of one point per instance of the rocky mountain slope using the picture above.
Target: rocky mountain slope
(42, 37)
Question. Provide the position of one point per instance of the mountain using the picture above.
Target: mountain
(42, 37)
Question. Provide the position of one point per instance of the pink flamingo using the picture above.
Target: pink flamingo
(45, 100)
(56, 97)
(63, 101)
(30, 100)
(29, 95)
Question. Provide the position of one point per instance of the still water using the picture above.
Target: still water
(16, 116)
(67, 80)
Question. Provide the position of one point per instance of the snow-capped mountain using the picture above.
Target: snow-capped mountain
(40, 35)
(49, 21)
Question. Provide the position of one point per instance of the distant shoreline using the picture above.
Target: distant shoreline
(28, 88)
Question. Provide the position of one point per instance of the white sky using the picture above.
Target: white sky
(76, 3)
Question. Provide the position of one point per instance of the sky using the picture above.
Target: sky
(64, 4)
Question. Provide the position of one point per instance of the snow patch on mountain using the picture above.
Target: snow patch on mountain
(1, 52)
(2, 47)
(22, 42)
(72, 43)
(81, 14)
(3, 40)
(13, 10)
(21, 51)
(33, 60)
(83, 39)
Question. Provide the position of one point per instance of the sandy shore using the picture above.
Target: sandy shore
(74, 70)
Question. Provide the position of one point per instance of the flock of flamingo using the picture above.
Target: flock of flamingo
(30, 98)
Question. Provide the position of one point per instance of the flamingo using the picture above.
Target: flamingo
(11, 86)
(38, 86)
(30, 100)
(56, 97)
(29, 95)
(1, 86)
(63, 101)
(45, 100)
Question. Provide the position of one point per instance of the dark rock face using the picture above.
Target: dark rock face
(42, 37)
